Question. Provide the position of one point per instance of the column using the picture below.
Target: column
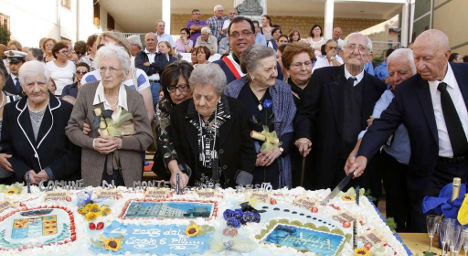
(405, 25)
(329, 16)
(166, 15)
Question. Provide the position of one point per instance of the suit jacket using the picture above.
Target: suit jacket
(235, 147)
(51, 150)
(320, 118)
(92, 162)
(10, 87)
(412, 106)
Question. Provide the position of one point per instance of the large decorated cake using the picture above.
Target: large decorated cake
(159, 221)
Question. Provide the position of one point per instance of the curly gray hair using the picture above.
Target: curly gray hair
(209, 74)
(250, 57)
(33, 68)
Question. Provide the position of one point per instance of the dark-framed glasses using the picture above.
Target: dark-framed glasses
(180, 87)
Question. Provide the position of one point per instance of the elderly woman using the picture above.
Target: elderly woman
(297, 61)
(33, 131)
(270, 104)
(208, 40)
(176, 89)
(61, 69)
(113, 150)
(136, 78)
(211, 134)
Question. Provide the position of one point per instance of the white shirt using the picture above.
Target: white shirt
(62, 75)
(358, 77)
(151, 61)
(323, 62)
(445, 147)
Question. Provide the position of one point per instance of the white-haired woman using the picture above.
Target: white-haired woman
(208, 40)
(33, 131)
(211, 134)
(269, 103)
(110, 152)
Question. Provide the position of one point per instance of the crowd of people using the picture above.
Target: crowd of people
(273, 108)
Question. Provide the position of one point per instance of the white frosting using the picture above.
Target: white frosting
(226, 199)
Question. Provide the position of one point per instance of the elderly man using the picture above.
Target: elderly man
(161, 36)
(208, 40)
(232, 15)
(336, 104)
(152, 62)
(241, 32)
(15, 61)
(216, 22)
(394, 158)
(432, 106)
(135, 44)
(337, 32)
(331, 58)
(195, 25)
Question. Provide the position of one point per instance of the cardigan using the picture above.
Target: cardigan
(92, 162)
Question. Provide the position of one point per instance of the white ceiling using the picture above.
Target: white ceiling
(138, 16)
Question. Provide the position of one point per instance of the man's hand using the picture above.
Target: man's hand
(304, 145)
(358, 166)
(105, 144)
(4, 162)
(146, 64)
(33, 177)
(352, 157)
(43, 175)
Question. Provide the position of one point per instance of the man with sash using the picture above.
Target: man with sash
(241, 34)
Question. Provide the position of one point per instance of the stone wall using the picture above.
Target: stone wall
(301, 23)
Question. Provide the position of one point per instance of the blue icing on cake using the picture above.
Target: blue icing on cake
(301, 238)
(154, 239)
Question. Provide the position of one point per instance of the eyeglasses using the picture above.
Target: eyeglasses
(81, 72)
(300, 64)
(111, 69)
(236, 34)
(180, 87)
(64, 51)
(361, 48)
(332, 47)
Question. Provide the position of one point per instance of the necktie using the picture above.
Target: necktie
(351, 80)
(452, 120)
(18, 85)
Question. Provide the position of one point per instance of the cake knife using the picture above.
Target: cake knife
(338, 188)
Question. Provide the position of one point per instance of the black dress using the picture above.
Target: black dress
(258, 117)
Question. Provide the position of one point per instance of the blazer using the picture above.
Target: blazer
(320, 118)
(10, 87)
(92, 162)
(235, 147)
(412, 106)
(52, 151)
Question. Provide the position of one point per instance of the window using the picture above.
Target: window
(423, 13)
(97, 14)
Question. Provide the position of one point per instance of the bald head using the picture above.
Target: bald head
(151, 41)
(431, 53)
(434, 38)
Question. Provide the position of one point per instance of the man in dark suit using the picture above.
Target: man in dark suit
(336, 105)
(432, 106)
(15, 60)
